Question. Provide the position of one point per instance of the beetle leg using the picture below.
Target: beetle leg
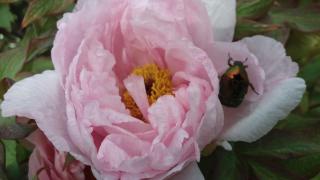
(245, 62)
(253, 89)
(229, 60)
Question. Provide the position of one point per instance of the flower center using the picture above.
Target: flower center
(157, 83)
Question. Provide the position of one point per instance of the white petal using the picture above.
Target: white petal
(226, 145)
(274, 106)
(272, 58)
(191, 172)
(40, 97)
(222, 15)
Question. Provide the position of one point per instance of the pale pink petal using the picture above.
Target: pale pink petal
(50, 162)
(148, 26)
(222, 15)
(165, 114)
(274, 106)
(212, 122)
(41, 97)
(35, 163)
(198, 23)
(73, 27)
(184, 56)
(43, 146)
(272, 58)
(136, 88)
(112, 154)
(191, 172)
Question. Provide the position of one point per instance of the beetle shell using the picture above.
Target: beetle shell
(234, 85)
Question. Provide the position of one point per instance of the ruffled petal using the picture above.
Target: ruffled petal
(274, 106)
(212, 122)
(41, 97)
(191, 172)
(277, 65)
(222, 14)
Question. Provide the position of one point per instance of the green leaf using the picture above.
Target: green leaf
(8, 1)
(38, 39)
(248, 28)
(40, 8)
(303, 46)
(223, 165)
(39, 45)
(39, 65)
(11, 62)
(3, 175)
(284, 144)
(307, 166)
(2, 156)
(263, 172)
(22, 153)
(310, 72)
(12, 166)
(253, 9)
(295, 122)
(304, 104)
(304, 3)
(302, 19)
(6, 17)
(317, 177)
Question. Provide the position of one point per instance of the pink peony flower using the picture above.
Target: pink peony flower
(47, 163)
(135, 89)
(134, 93)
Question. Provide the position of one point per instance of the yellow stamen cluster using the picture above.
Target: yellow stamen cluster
(157, 83)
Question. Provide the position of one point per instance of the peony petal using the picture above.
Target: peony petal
(165, 113)
(41, 97)
(212, 122)
(73, 28)
(136, 88)
(191, 172)
(276, 65)
(222, 14)
(274, 106)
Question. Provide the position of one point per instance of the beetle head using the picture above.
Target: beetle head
(232, 62)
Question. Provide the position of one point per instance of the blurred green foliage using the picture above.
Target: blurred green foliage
(290, 151)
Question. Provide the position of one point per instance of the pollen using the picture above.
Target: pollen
(157, 83)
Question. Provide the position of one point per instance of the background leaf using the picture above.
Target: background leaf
(6, 17)
(247, 27)
(11, 62)
(12, 166)
(302, 19)
(253, 9)
(39, 8)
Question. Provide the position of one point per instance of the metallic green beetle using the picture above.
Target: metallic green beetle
(234, 84)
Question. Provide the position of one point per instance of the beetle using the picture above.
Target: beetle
(234, 83)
